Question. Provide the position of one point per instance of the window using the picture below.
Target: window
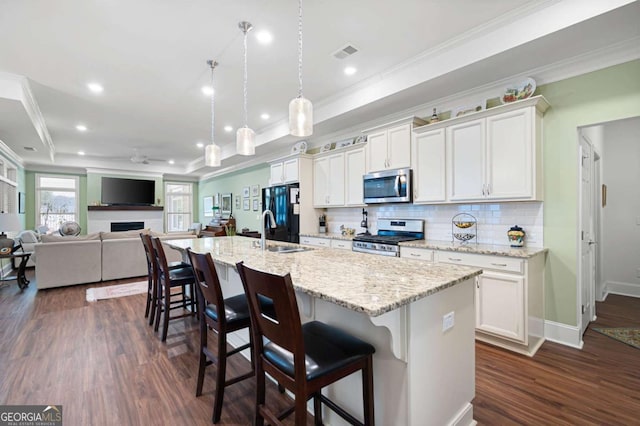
(178, 200)
(8, 192)
(56, 200)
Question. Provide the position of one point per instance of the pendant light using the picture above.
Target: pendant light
(300, 108)
(245, 137)
(212, 153)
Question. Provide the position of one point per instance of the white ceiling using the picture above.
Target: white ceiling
(150, 55)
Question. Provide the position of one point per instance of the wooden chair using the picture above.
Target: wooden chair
(152, 276)
(236, 317)
(168, 279)
(303, 358)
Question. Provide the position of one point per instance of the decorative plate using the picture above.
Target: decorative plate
(299, 148)
(520, 91)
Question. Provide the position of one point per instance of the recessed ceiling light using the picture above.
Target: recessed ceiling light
(171, 162)
(350, 70)
(228, 128)
(80, 152)
(207, 90)
(265, 116)
(95, 87)
(264, 37)
(81, 128)
(200, 145)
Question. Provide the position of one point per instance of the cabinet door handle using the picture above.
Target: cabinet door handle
(453, 259)
(477, 282)
(483, 190)
(499, 264)
(415, 255)
(488, 189)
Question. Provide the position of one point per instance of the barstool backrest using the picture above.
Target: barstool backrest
(208, 282)
(160, 258)
(148, 252)
(281, 326)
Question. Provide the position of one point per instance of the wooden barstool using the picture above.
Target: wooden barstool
(152, 276)
(303, 358)
(168, 279)
(236, 317)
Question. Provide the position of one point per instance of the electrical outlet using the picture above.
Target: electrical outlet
(448, 321)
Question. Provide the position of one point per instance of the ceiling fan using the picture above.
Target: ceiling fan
(138, 158)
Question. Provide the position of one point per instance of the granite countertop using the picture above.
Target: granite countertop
(330, 235)
(493, 249)
(361, 282)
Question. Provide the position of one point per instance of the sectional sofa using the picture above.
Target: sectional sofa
(63, 261)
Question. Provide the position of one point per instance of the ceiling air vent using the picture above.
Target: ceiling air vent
(345, 51)
(30, 148)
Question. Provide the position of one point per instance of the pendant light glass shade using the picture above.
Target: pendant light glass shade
(300, 117)
(300, 108)
(245, 141)
(212, 155)
(245, 137)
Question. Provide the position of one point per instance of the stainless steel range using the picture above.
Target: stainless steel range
(390, 233)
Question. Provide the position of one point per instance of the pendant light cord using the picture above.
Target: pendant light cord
(213, 64)
(246, 121)
(299, 48)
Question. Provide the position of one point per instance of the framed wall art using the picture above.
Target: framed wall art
(255, 190)
(256, 204)
(245, 204)
(245, 192)
(207, 206)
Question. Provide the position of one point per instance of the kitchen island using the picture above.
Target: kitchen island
(422, 374)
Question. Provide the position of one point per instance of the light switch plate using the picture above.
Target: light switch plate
(448, 321)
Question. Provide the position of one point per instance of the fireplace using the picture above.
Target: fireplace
(126, 226)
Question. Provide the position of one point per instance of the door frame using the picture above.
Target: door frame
(588, 288)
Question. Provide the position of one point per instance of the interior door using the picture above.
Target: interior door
(587, 252)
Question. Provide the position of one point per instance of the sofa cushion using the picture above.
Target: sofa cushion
(69, 239)
(124, 234)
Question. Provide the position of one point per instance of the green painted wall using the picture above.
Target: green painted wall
(234, 183)
(609, 94)
(30, 189)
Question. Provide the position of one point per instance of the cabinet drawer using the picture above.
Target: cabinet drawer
(416, 253)
(341, 244)
(314, 241)
(497, 263)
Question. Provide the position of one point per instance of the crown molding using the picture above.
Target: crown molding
(34, 113)
(8, 153)
(105, 171)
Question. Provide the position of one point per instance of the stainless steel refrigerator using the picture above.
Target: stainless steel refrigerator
(283, 201)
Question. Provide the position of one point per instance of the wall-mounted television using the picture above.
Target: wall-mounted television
(128, 192)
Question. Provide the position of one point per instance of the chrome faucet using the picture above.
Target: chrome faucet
(272, 224)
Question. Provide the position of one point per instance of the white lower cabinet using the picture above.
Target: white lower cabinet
(341, 244)
(315, 241)
(500, 305)
(416, 253)
(509, 298)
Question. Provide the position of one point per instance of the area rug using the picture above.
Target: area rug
(630, 336)
(120, 290)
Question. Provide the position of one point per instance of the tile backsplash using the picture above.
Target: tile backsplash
(494, 219)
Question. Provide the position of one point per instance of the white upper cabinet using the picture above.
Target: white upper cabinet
(510, 155)
(466, 152)
(285, 171)
(329, 180)
(355, 167)
(389, 146)
(491, 155)
(428, 164)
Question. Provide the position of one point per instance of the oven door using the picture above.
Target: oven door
(390, 186)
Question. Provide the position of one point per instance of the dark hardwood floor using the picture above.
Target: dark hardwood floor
(105, 366)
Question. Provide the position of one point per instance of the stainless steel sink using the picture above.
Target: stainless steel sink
(288, 249)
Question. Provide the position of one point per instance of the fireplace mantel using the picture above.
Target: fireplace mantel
(153, 208)
(100, 218)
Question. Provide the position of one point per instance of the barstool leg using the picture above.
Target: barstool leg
(202, 364)
(260, 395)
(367, 392)
(220, 376)
(159, 307)
(149, 291)
(317, 410)
(167, 312)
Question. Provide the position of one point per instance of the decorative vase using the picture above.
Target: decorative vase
(516, 236)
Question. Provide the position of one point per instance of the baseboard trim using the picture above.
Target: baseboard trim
(464, 417)
(622, 289)
(563, 334)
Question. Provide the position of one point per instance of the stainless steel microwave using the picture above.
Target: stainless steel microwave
(389, 186)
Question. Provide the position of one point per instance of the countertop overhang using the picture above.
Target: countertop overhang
(361, 282)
